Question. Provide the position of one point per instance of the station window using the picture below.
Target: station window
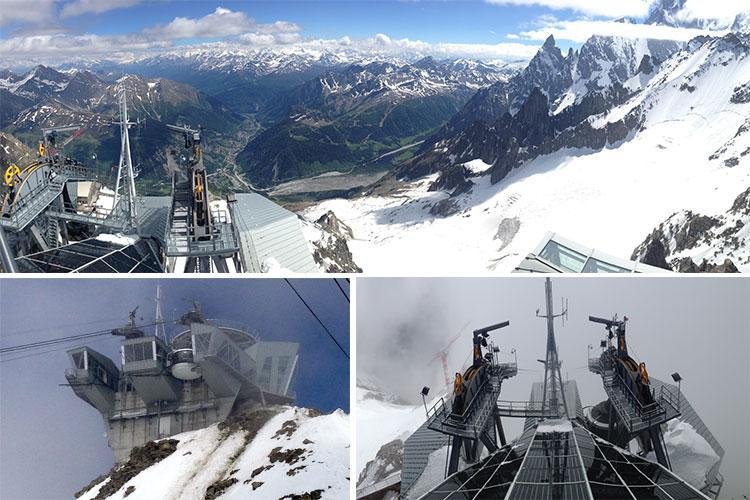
(562, 256)
(139, 352)
(598, 266)
(79, 360)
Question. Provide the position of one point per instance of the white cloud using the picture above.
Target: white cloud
(220, 23)
(382, 44)
(723, 11)
(27, 11)
(79, 7)
(580, 31)
(611, 9)
(382, 39)
(279, 27)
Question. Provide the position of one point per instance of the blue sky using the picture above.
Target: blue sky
(44, 423)
(55, 31)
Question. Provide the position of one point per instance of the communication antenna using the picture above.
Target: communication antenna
(127, 162)
(159, 323)
(552, 375)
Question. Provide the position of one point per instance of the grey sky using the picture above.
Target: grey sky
(699, 327)
(52, 443)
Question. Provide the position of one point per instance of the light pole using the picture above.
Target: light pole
(425, 392)
(677, 378)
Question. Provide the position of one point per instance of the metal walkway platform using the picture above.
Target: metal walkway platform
(471, 422)
(524, 409)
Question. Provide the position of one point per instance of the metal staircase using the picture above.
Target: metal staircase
(636, 416)
(33, 203)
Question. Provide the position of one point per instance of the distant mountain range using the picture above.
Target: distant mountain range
(316, 112)
(345, 118)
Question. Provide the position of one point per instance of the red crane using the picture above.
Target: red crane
(443, 354)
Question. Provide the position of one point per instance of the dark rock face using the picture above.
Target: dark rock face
(290, 456)
(453, 178)
(655, 254)
(216, 489)
(332, 251)
(445, 208)
(694, 231)
(310, 495)
(532, 131)
(741, 94)
(646, 66)
(389, 459)
(249, 421)
(686, 231)
(687, 265)
(741, 205)
(141, 458)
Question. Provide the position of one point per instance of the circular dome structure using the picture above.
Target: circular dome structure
(182, 365)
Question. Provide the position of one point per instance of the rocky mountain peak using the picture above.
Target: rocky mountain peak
(549, 43)
(742, 22)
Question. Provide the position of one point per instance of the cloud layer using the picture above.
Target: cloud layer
(619, 8)
(226, 28)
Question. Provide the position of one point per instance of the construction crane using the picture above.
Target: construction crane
(442, 355)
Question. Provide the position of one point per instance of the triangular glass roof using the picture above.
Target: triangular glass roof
(562, 460)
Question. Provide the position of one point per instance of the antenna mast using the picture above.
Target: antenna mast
(552, 376)
(126, 160)
(159, 327)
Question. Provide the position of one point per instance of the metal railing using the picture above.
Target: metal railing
(180, 356)
(471, 420)
(233, 325)
(525, 409)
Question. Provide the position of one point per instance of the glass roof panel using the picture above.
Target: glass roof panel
(552, 468)
(564, 257)
(598, 266)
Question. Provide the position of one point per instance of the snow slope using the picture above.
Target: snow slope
(608, 199)
(691, 455)
(380, 422)
(209, 455)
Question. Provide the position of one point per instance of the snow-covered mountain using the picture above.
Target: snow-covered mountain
(604, 172)
(296, 453)
(678, 13)
(691, 242)
(535, 111)
(383, 424)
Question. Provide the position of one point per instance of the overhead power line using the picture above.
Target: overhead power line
(317, 318)
(69, 338)
(342, 290)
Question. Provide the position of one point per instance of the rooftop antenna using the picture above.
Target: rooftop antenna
(159, 323)
(127, 162)
(552, 375)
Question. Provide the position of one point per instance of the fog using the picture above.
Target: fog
(52, 443)
(699, 327)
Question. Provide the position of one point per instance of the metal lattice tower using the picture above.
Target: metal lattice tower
(552, 376)
(127, 162)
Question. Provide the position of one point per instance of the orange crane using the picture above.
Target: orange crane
(443, 354)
